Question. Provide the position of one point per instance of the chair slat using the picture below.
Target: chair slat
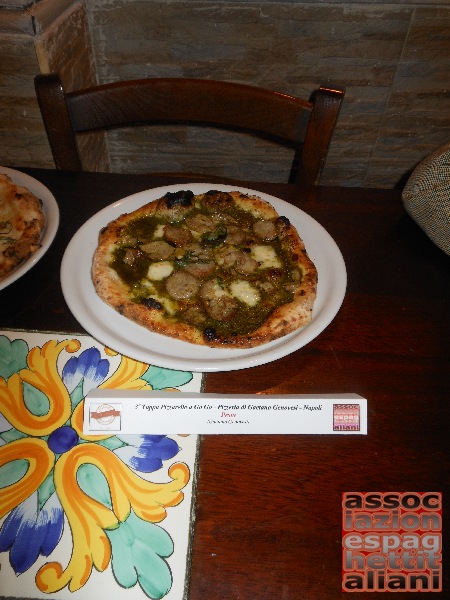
(305, 126)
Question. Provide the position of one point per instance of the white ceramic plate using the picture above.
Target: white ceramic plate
(124, 336)
(51, 212)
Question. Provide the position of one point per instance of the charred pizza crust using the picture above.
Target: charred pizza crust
(220, 269)
(21, 224)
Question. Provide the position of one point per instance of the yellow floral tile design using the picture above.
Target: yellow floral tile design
(74, 507)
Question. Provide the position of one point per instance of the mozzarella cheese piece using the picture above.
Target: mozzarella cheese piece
(266, 256)
(159, 270)
(245, 292)
(159, 231)
(218, 291)
(169, 304)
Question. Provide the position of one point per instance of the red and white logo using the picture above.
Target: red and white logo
(392, 542)
(105, 416)
(346, 417)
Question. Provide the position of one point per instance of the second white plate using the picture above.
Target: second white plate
(124, 336)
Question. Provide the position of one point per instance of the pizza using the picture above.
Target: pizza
(221, 269)
(22, 221)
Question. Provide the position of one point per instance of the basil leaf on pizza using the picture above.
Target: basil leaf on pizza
(221, 269)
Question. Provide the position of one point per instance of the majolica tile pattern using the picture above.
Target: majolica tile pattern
(88, 516)
(392, 58)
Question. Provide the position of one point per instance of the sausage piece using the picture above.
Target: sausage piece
(198, 252)
(217, 303)
(235, 235)
(201, 269)
(158, 250)
(201, 223)
(131, 255)
(181, 285)
(177, 236)
(266, 230)
(239, 261)
(194, 315)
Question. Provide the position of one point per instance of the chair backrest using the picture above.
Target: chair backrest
(305, 126)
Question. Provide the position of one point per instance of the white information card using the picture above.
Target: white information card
(130, 412)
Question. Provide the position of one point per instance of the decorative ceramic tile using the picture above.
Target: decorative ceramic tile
(98, 517)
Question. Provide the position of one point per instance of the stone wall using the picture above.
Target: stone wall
(52, 35)
(392, 58)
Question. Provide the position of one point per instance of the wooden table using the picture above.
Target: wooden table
(269, 508)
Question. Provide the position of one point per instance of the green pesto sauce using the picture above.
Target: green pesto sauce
(142, 229)
(247, 319)
(129, 274)
(137, 232)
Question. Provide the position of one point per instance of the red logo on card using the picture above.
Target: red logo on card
(392, 542)
(346, 417)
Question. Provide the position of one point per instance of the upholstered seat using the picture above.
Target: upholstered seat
(426, 196)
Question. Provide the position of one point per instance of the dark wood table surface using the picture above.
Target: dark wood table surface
(269, 508)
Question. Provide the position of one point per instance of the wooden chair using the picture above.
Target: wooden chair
(305, 126)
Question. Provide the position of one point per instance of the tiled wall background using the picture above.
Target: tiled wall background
(392, 58)
(42, 37)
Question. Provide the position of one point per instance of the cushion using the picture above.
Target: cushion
(426, 196)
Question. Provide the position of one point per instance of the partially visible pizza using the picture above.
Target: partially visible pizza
(22, 222)
(221, 269)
